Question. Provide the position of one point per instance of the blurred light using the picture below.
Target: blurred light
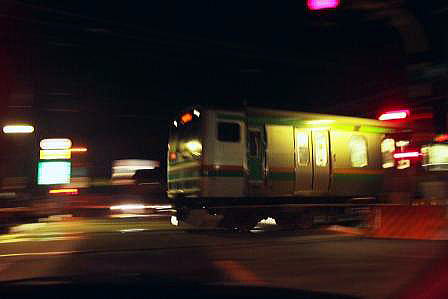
(398, 114)
(187, 117)
(128, 207)
(197, 113)
(322, 4)
(18, 129)
(53, 172)
(402, 143)
(127, 168)
(131, 230)
(72, 191)
(175, 123)
(406, 155)
(56, 143)
(174, 221)
(173, 156)
(195, 147)
(78, 149)
(268, 220)
(441, 138)
(319, 121)
(403, 164)
(54, 154)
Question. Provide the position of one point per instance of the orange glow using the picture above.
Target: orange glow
(406, 155)
(172, 156)
(187, 117)
(391, 115)
(441, 138)
(73, 191)
(79, 149)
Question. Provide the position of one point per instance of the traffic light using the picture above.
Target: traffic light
(322, 4)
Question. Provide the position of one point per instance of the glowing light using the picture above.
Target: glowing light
(403, 164)
(173, 156)
(268, 220)
(319, 122)
(175, 123)
(195, 147)
(406, 155)
(53, 172)
(128, 207)
(78, 149)
(391, 115)
(72, 191)
(322, 4)
(18, 129)
(55, 143)
(197, 113)
(187, 117)
(54, 154)
(174, 221)
(441, 138)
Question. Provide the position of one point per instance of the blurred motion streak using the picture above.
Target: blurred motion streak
(409, 222)
(64, 191)
(78, 149)
(406, 155)
(18, 129)
(391, 115)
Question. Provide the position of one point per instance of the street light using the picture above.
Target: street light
(18, 129)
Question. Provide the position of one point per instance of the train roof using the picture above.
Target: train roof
(262, 112)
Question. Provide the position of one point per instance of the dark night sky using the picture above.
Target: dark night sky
(110, 73)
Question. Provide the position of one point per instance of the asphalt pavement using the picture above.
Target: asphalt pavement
(316, 259)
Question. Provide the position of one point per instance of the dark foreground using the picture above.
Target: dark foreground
(316, 260)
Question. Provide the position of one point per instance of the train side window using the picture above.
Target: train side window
(387, 151)
(229, 132)
(254, 139)
(358, 151)
(303, 149)
(321, 150)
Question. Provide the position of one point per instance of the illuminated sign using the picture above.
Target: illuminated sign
(187, 117)
(18, 129)
(53, 172)
(55, 154)
(55, 143)
(391, 115)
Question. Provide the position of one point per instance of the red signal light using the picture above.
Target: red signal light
(322, 4)
(406, 155)
(391, 115)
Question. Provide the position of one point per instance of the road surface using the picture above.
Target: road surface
(312, 260)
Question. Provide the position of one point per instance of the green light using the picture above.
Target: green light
(50, 173)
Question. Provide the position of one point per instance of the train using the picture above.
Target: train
(233, 167)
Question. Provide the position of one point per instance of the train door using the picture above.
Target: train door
(304, 162)
(256, 160)
(321, 160)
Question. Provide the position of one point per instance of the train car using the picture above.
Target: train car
(240, 166)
